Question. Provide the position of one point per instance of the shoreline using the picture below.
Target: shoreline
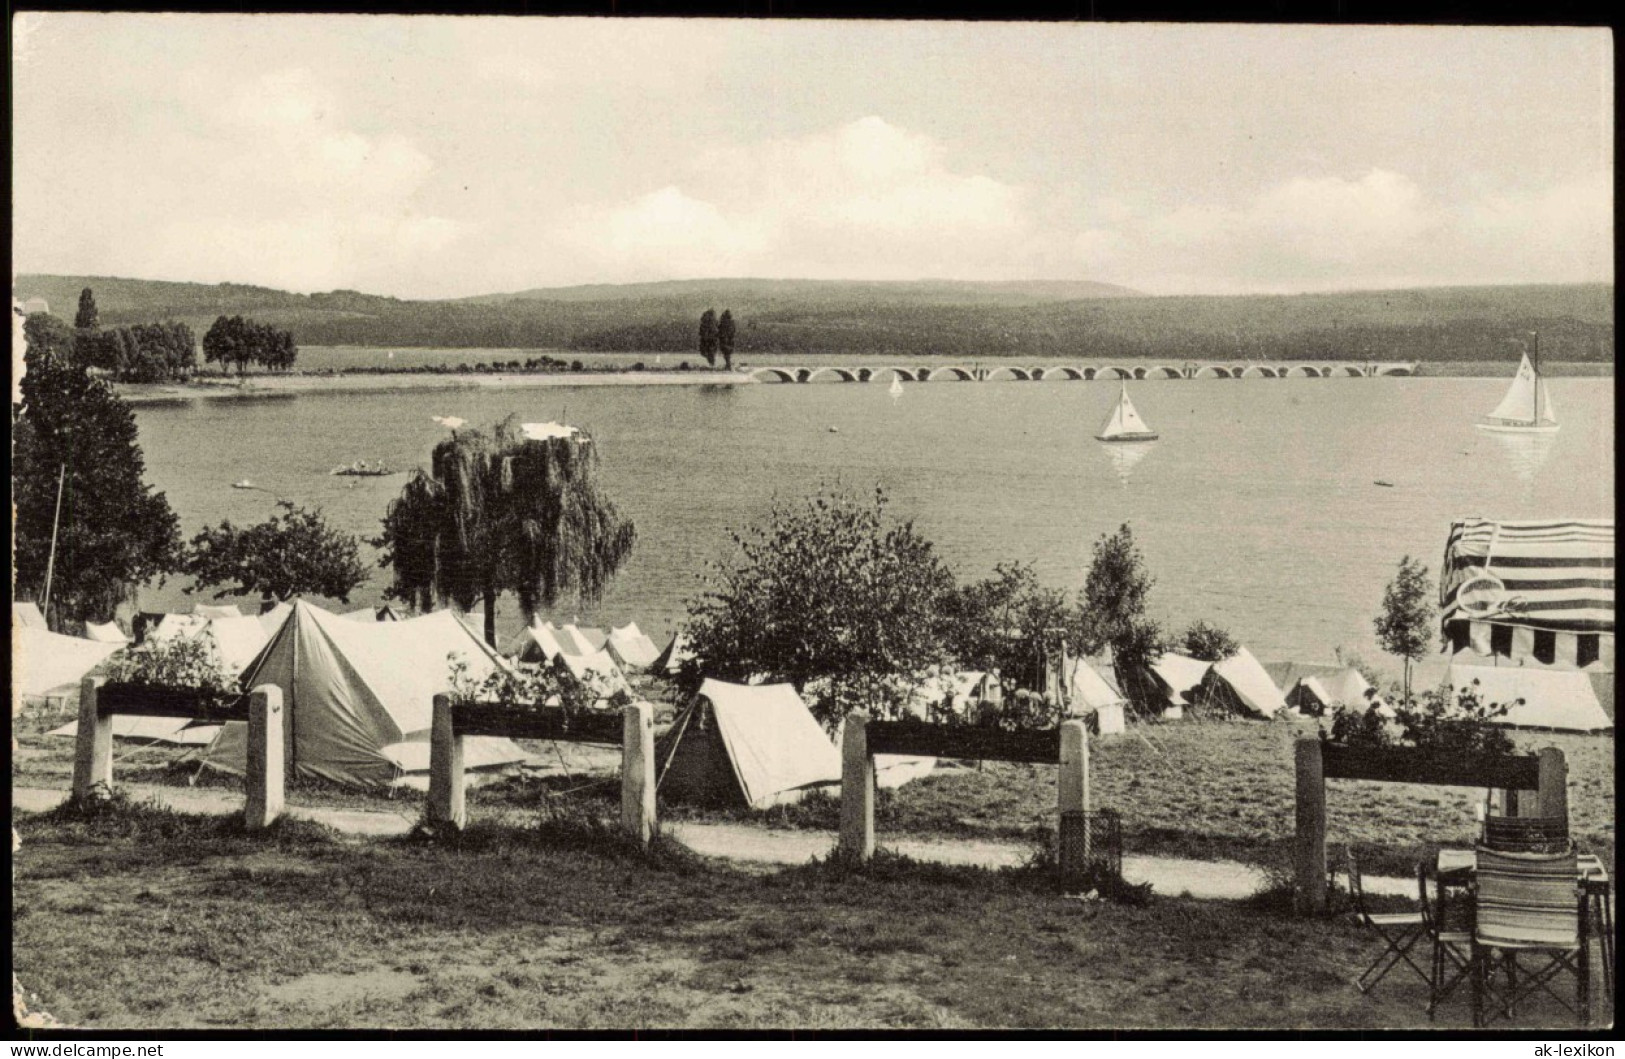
(272, 387)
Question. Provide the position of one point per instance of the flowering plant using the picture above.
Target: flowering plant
(175, 663)
(517, 686)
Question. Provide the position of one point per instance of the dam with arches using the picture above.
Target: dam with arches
(1081, 373)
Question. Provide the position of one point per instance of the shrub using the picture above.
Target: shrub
(576, 365)
(176, 663)
(1209, 643)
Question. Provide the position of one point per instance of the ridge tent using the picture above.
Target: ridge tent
(1178, 676)
(105, 632)
(1088, 691)
(227, 610)
(1318, 693)
(569, 641)
(756, 745)
(962, 692)
(383, 613)
(271, 618)
(178, 731)
(673, 655)
(177, 627)
(352, 691)
(27, 616)
(1239, 684)
(537, 643)
(47, 665)
(597, 673)
(1559, 699)
(590, 639)
(237, 640)
(628, 646)
(1287, 675)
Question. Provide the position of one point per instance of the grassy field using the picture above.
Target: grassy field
(564, 927)
(1201, 790)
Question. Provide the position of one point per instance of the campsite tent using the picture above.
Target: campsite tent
(756, 745)
(538, 643)
(177, 627)
(105, 632)
(1239, 684)
(961, 691)
(227, 610)
(597, 673)
(383, 613)
(587, 639)
(1560, 699)
(353, 691)
(47, 665)
(1087, 690)
(1315, 693)
(628, 646)
(237, 640)
(1178, 676)
(177, 731)
(27, 616)
(673, 655)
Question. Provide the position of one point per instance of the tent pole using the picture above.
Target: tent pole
(50, 563)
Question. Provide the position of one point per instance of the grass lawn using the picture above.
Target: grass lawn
(1202, 790)
(142, 918)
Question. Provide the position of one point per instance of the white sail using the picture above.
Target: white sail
(1523, 396)
(896, 387)
(1123, 419)
(1547, 411)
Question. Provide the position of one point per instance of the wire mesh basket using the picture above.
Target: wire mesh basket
(1092, 843)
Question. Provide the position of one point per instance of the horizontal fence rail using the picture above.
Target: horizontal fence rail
(576, 726)
(1041, 747)
(1516, 772)
(152, 700)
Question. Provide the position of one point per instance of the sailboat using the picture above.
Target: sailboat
(1527, 407)
(1124, 423)
(896, 390)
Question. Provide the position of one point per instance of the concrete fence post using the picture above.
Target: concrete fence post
(445, 769)
(1072, 790)
(1311, 827)
(93, 745)
(267, 750)
(1554, 783)
(857, 789)
(638, 771)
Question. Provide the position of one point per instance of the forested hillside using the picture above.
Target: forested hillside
(936, 318)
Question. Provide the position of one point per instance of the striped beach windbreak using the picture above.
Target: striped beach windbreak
(1549, 575)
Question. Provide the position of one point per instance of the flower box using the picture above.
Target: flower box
(162, 700)
(1409, 764)
(537, 722)
(968, 742)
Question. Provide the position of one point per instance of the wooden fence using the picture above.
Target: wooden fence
(1317, 761)
(265, 774)
(1066, 747)
(633, 728)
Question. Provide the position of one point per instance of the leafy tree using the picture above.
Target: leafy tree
(114, 532)
(502, 512)
(830, 595)
(708, 336)
(1140, 643)
(1111, 611)
(1007, 623)
(235, 340)
(292, 553)
(87, 318)
(725, 338)
(1404, 626)
(162, 352)
(1208, 642)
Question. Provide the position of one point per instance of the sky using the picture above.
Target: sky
(429, 157)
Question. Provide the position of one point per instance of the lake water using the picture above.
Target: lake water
(1258, 509)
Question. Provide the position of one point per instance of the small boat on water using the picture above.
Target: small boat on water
(1124, 423)
(362, 469)
(1527, 407)
(244, 484)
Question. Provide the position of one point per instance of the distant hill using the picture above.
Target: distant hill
(929, 317)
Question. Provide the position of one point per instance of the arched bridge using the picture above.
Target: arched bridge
(1012, 372)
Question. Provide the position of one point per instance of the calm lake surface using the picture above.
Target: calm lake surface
(1258, 509)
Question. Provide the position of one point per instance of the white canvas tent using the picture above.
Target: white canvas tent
(271, 618)
(752, 744)
(1559, 699)
(27, 616)
(1317, 693)
(225, 610)
(1179, 676)
(586, 638)
(1239, 684)
(1088, 691)
(597, 673)
(47, 665)
(631, 648)
(237, 640)
(383, 613)
(352, 691)
(177, 627)
(961, 691)
(105, 632)
(176, 731)
(673, 655)
(538, 643)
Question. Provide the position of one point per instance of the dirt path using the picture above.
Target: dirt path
(1171, 876)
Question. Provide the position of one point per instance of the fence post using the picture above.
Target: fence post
(638, 771)
(1072, 788)
(1554, 783)
(1311, 837)
(445, 769)
(266, 753)
(857, 789)
(93, 746)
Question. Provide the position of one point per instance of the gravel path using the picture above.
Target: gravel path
(1172, 876)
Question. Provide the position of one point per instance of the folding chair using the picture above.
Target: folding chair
(1526, 834)
(1452, 944)
(1529, 904)
(1399, 931)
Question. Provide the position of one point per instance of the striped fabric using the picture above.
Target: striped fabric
(1528, 900)
(1556, 575)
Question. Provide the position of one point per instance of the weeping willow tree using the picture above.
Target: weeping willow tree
(509, 511)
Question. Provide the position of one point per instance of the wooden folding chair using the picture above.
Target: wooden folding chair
(1399, 931)
(1452, 944)
(1526, 834)
(1529, 904)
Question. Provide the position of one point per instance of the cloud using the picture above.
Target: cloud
(863, 200)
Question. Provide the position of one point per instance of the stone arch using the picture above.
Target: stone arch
(840, 374)
(1257, 371)
(775, 374)
(1212, 371)
(950, 372)
(886, 374)
(1162, 371)
(1395, 369)
(1111, 371)
(1006, 373)
(1060, 371)
(1304, 371)
(1349, 370)
(1139, 373)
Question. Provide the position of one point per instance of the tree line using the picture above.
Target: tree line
(234, 340)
